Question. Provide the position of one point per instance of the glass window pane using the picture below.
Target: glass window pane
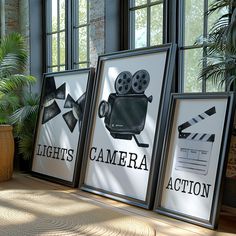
(135, 3)
(83, 65)
(156, 27)
(192, 67)
(193, 21)
(62, 68)
(82, 44)
(62, 48)
(54, 49)
(140, 39)
(82, 12)
(54, 69)
(62, 14)
(153, 1)
(54, 15)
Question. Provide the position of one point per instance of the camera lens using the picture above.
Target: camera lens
(104, 109)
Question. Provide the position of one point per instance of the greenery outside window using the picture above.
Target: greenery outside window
(146, 23)
(183, 22)
(81, 34)
(194, 28)
(67, 29)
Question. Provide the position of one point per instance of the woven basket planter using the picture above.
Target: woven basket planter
(6, 152)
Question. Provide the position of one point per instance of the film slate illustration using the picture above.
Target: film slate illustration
(125, 111)
(52, 109)
(194, 149)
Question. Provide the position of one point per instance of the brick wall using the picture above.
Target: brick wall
(97, 29)
(10, 20)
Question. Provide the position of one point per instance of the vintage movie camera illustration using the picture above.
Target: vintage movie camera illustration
(125, 111)
(52, 109)
(194, 149)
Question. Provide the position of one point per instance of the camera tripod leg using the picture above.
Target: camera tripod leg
(145, 145)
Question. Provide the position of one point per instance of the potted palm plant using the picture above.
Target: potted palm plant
(221, 70)
(13, 62)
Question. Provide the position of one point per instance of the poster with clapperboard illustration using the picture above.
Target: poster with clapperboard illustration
(61, 125)
(122, 145)
(194, 157)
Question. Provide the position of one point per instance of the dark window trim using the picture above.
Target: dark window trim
(71, 41)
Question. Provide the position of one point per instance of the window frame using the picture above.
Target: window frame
(183, 48)
(173, 23)
(148, 6)
(71, 47)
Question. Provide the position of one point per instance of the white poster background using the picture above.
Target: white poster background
(56, 133)
(114, 178)
(190, 204)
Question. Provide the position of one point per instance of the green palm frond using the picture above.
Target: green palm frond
(221, 45)
(9, 100)
(13, 54)
(13, 62)
(215, 72)
(217, 5)
(24, 120)
(25, 145)
(29, 107)
(15, 82)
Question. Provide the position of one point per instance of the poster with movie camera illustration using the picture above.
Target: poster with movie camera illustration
(61, 124)
(120, 152)
(194, 157)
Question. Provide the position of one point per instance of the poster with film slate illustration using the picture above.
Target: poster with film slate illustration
(128, 101)
(194, 156)
(60, 122)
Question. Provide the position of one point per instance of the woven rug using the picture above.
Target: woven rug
(29, 206)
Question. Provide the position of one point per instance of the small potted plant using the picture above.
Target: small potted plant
(13, 61)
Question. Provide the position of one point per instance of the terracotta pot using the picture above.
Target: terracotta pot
(6, 152)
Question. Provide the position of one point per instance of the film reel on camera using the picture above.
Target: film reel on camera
(126, 83)
(140, 81)
(123, 83)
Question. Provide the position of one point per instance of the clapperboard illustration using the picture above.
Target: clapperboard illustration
(194, 149)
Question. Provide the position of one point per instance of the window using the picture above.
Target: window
(146, 18)
(80, 34)
(150, 23)
(67, 27)
(194, 27)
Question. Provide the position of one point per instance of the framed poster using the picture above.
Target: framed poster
(121, 150)
(193, 159)
(61, 125)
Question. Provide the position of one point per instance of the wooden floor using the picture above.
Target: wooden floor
(163, 225)
(166, 225)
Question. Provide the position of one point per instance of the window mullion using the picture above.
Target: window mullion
(88, 46)
(58, 35)
(181, 44)
(68, 34)
(205, 30)
(148, 24)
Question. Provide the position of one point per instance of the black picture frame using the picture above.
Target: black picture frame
(115, 74)
(61, 125)
(194, 157)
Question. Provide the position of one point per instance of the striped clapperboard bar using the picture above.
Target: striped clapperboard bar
(194, 149)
